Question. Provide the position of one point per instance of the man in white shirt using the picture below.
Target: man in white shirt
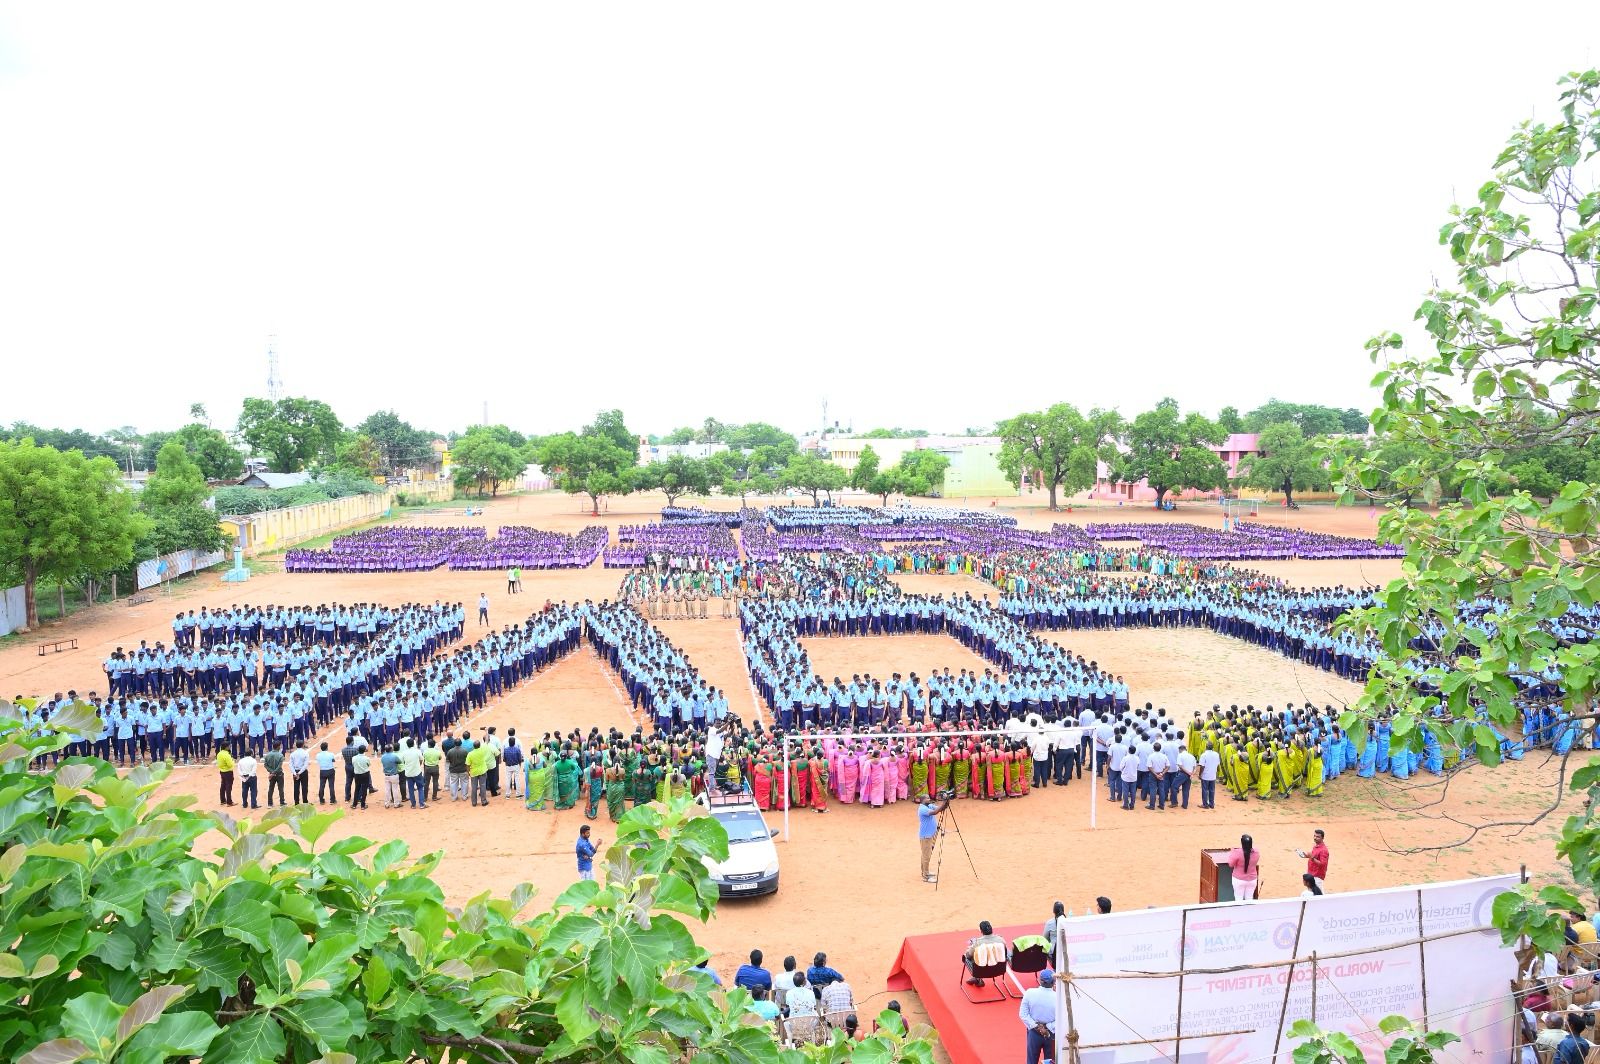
(1157, 767)
(249, 784)
(1038, 1015)
(1112, 757)
(1130, 778)
(1184, 777)
(300, 773)
(1209, 762)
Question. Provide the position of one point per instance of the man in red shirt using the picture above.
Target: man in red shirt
(1317, 859)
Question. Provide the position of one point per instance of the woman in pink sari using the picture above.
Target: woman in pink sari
(903, 764)
(847, 775)
(873, 781)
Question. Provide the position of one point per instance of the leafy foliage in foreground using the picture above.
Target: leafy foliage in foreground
(1510, 369)
(126, 946)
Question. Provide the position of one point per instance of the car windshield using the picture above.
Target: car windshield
(743, 827)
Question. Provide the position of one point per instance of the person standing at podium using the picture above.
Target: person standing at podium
(1245, 861)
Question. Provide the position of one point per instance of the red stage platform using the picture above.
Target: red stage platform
(972, 1034)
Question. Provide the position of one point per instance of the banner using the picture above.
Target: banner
(1379, 953)
(152, 571)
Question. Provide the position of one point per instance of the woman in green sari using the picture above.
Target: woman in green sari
(1265, 778)
(538, 780)
(597, 788)
(941, 773)
(616, 792)
(566, 781)
(963, 772)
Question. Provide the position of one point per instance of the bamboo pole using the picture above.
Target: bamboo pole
(1183, 961)
(1288, 982)
(1422, 954)
(1313, 986)
(1154, 1041)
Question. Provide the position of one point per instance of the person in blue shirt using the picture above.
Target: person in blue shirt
(819, 974)
(927, 832)
(704, 968)
(752, 975)
(586, 851)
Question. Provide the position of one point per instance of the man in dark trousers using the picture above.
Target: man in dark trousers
(350, 750)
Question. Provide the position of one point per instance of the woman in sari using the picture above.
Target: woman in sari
(962, 771)
(566, 781)
(872, 782)
(902, 775)
(761, 776)
(941, 769)
(919, 774)
(616, 792)
(819, 783)
(849, 776)
(1264, 781)
(1314, 773)
(800, 779)
(997, 762)
(597, 789)
(1284, 776)
(1024, 766)
(537, 778)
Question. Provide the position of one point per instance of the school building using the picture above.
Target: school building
(974, 460)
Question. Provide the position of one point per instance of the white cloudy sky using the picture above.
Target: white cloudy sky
(926, 213)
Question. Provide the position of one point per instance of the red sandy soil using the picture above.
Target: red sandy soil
(850, 882)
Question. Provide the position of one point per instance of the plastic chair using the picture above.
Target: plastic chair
(993, 973)
(1030, 961)
(807, 1029)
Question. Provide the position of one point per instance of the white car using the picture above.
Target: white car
(752, 864)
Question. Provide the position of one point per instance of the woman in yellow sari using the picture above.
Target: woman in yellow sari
(1265, 777)
(1236, 771)
(1284, 776)
(1314, 772)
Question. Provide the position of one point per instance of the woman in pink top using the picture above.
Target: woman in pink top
(1245, 860)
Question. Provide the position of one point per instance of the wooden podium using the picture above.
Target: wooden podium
(1216, 877)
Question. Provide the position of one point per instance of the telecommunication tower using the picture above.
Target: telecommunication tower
(274, 378)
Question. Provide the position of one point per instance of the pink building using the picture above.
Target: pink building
(1232, 450)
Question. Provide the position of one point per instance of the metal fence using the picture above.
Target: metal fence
(13, 609)
(178, 563)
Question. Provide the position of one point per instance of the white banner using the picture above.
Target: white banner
(1369, 965)
(179, 563)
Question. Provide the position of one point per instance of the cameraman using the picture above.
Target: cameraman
(928, 829)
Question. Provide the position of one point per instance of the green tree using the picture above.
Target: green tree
(588, 464)
(177, 480)
(1060, 444)
(1169, 451)
(484, 459)
(679, 436)
(130, 939)
(676, 477)
(1313, 420)
(1353, 422)
(1288, 462)
(197, 411)
(1229, 420)
(757, 434)
(400, 446)
(866, 469)
(173, 528)
(292, 433)
(921, 472)
(218, 459)
(1510, 365)
(62, 516)
(895, 433)
(360, 454)
(812, 475)
(610, 424)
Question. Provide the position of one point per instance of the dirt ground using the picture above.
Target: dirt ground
(850, 882)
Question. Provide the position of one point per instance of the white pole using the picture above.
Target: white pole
(785, 788)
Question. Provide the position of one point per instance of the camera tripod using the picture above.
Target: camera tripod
(949, 814)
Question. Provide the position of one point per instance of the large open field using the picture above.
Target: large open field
(850, 884)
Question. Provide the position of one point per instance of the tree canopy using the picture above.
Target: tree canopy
(399, 445)
(1311, 418)
(865, 470)
(485, 458)
(292, 433)
(610, 424)
(218, 459)
(1510, 365)
(589, 464)
(1288, 462)
(1169, 451)
(62, 516)
(812, 475)
(1060, 444)
(678, 476)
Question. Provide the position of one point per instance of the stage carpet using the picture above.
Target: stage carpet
(972, 1034)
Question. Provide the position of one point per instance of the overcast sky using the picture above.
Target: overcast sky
(928, 214)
